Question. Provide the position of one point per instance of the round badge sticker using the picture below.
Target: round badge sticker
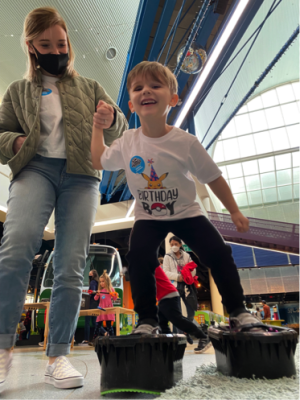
(46, 91)
(137, 165)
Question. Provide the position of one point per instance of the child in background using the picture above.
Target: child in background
(104, 294)
(159, 161)
(22, 329)
(169, 310)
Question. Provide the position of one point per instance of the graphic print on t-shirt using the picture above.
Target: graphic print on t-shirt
(156, 198)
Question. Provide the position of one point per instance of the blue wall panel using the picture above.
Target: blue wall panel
(265, 257)
(242, 256)
(294, 259)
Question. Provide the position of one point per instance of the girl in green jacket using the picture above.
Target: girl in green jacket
(45, 133)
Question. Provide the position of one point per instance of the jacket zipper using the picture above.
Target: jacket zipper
(58, 85)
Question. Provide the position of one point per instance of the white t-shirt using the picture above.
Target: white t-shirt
(52, 140)
(158, 172)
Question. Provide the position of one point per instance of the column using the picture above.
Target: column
(217, 306)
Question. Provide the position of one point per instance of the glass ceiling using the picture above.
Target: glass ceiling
(258, 150)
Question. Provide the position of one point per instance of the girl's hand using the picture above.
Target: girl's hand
(18, 143)
(240, 221)
(104, 116)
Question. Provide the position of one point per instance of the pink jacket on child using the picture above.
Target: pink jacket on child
(105, 302)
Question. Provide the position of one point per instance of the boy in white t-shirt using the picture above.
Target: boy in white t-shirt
(158, 160)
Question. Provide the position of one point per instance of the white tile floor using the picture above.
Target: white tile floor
(26, 378)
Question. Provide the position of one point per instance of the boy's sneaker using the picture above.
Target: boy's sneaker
(146, 329)
(62, 374)
(245, 322)
(203, 345)
(41, 344)
(5, 365)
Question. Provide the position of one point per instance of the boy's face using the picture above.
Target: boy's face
(150, 97)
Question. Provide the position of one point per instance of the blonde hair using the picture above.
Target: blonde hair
(107, 281)
(156, 71)
(36, 22)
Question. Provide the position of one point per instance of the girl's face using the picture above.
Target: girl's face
(175, 243)
(102, 283)
(52, 41)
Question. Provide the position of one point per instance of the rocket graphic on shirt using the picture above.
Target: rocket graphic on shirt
(156, 198)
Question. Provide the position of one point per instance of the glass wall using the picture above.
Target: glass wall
(258, 153)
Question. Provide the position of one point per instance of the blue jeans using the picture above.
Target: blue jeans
(40, 187)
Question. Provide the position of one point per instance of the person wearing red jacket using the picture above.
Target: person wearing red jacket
(169, 310)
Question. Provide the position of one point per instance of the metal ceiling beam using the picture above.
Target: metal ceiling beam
(244, 22)
(207, 26)
(140, 37)
(161, 28)
(143, 26)
(201, 40)
(257, 83)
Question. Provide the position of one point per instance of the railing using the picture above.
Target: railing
(261, 230)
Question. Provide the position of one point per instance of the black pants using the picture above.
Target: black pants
(100, 329)
(169, 309)
(202, 237)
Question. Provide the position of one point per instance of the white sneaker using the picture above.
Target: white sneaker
(62, 374)
(145, 329)
(5, 365)
(83, 343)
(41, 344)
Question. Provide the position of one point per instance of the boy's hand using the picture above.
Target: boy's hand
(240, 221)
(104, 116)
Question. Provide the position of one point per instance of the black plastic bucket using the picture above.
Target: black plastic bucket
(137, 363)
(263, 354)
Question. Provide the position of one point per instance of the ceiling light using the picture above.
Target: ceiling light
(111, 53)
(130, 209)
(212, 58)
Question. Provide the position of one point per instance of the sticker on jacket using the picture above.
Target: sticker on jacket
(156, 198)
(46, 91)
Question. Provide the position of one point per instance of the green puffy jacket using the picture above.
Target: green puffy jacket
(19, 116)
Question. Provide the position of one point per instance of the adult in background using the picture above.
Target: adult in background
(266, 310)
(45, 137)
(174, 261)
(93, 286)
(27, 323)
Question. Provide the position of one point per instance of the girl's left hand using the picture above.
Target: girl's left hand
(104, 116)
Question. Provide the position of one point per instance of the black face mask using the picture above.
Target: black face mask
(55, 64)
(90, 278)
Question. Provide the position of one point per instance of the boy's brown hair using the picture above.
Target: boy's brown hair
(156, 71)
